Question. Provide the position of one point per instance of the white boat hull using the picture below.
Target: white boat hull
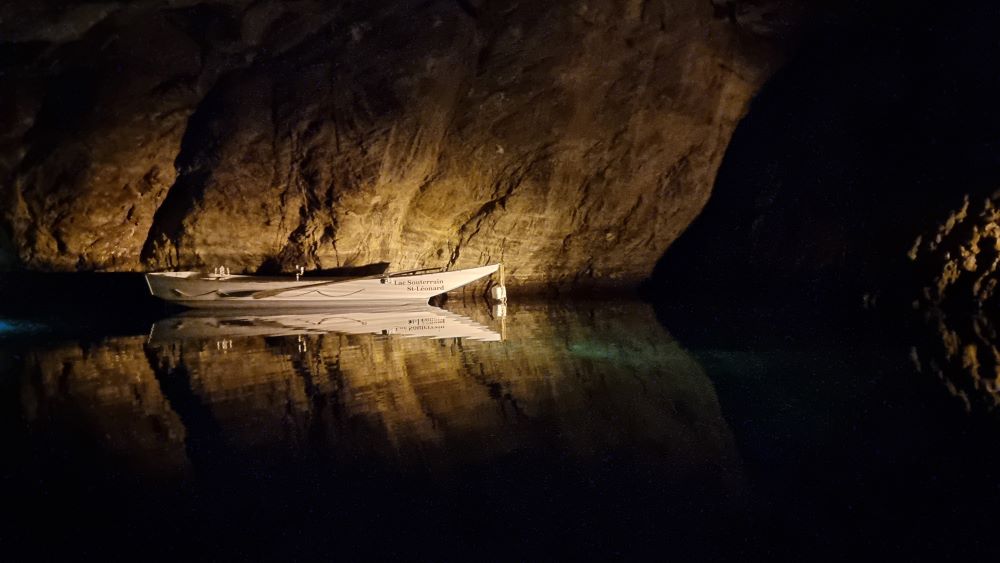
(197, 289)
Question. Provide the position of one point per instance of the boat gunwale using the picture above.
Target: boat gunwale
(210, 277)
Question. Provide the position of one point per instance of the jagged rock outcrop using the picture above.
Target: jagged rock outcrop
(960, 258)
(958, 268)
(572, 140)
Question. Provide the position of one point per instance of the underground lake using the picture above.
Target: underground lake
(567, 427)
(750, 251)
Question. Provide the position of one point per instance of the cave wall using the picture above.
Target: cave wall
(871, 136)
(572, 140)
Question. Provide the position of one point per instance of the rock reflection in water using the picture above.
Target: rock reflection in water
(578, 380)
(103, 396)
(963, 351)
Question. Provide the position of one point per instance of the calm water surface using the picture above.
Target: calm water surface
(574, 429)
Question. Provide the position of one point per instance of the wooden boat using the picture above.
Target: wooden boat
(406, 320)
(199, 289)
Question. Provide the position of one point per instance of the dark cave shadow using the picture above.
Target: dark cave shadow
(870, 134)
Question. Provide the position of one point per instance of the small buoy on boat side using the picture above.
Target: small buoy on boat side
(499, 292)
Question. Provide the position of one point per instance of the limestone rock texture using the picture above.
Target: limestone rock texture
(960, 258)
(572, 140)
(957, 264)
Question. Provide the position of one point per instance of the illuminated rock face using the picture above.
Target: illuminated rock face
(960, 259)
(957, 265)
(572, 140)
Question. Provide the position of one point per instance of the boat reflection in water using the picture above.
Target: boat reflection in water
(417, 384)
(408, 320)
(290, 425)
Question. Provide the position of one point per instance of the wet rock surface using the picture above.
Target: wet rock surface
(572, 140)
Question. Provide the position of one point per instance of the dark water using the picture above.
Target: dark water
(576, 429)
